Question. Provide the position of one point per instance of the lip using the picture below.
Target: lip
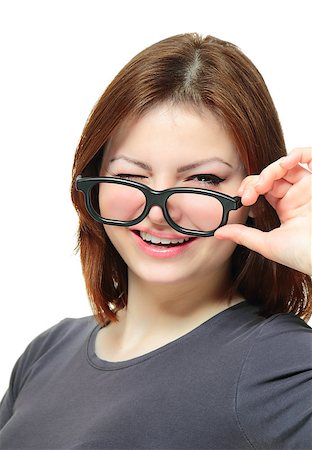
(162, 252)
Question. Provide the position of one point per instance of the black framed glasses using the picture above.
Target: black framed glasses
(122, 202)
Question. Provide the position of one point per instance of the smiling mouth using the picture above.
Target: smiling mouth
(154, 241)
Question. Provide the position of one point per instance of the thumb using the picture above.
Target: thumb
(240, 234)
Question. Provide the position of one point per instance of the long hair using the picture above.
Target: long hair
(203, 72)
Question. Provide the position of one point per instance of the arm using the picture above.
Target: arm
(274, 393)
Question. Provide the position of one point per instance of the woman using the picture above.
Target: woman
(198, 343)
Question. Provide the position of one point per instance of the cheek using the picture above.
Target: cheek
(120, 202)
(219, 250)
(195, 212)
(112, 234)
(118, 237)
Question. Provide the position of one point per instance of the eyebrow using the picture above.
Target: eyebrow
(202, 162)
(181, 169)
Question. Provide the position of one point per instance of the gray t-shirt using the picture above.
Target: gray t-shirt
(238, 381)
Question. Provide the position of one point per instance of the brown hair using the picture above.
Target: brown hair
(204, 72)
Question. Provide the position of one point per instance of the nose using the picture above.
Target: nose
(156, 214)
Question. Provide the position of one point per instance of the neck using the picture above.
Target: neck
(170, 308)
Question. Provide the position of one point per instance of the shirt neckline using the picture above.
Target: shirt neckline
(102, 364)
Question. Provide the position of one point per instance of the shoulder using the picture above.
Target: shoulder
(283, 334)
(281, 348)
(64, 337)
(65, 330)
(275, 335)
(273, 401)
(244, 324)
(284, 343)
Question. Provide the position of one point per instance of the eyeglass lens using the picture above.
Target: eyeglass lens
(188, 210)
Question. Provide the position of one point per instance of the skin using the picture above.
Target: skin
(170, 297)
(287, 185)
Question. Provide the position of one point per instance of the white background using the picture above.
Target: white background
(57, 57)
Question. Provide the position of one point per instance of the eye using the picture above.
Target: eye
(129, 176)
(207, 179)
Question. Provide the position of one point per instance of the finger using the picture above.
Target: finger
(292, 177)
(247, 181)
(276, 188)
(270, 174)
(268, 177)
(280, 188)
(240, 234)
(247, 190)
(296, 156)
(253, 185)
(301, 155)
(288, 200)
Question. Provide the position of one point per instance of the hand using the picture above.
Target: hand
(287, 186)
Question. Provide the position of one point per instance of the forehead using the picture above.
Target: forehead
(173, 133)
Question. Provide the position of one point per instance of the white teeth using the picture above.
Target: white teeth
(157, 240)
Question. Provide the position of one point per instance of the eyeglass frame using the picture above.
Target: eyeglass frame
(155, 198)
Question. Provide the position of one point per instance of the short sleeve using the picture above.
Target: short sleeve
(274, 393)
(6, 407)
(22, 367)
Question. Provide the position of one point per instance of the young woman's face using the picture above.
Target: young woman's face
(173, 146)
